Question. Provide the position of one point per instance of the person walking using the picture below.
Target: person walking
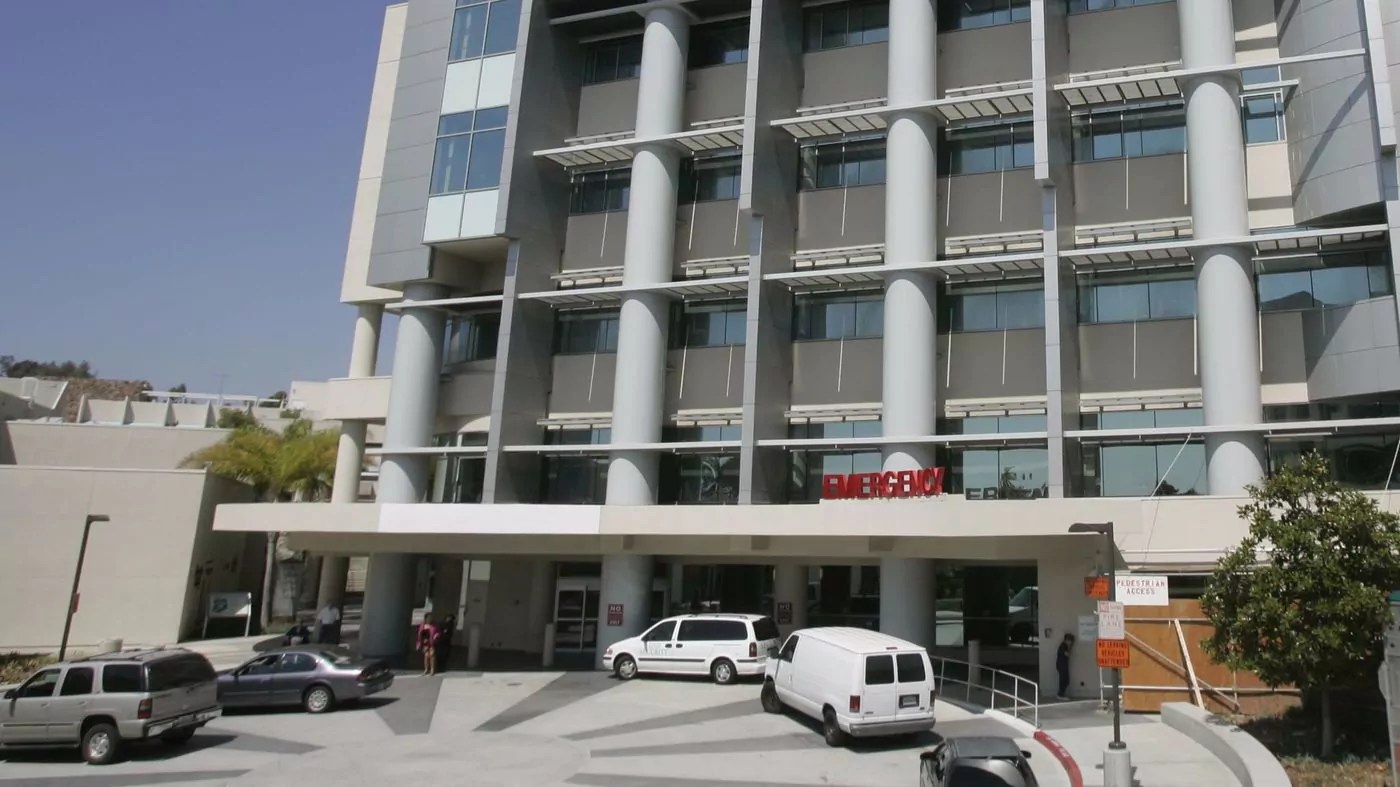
(427, 645)
(444, 643)
(328, 624)
(1062, 665)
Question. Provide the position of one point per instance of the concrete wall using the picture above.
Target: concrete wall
(705, 230)
(993, 364)
(1352, 350)
(984, 56)
(137, 582)
(837, 76)
(607, 107)
(468, 390)
(829, 218)
(836, 372)
(1138, 189)
(715, 92)
(1123, 37)
(988, 203)
(1142, 356)
(96, 445)
(582, 383)
(705, 378)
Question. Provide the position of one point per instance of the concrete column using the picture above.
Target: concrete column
(388, 608)
(911, 200)
(447, 586)
(350, 453)
(626, 581)
(1227, 316)
(639, 391)
(410, 423)
(907, 608)
(790, 587)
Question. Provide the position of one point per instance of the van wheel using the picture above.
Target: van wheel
(177, 737)
(101, 744)
(769, 697)
(723, 672)
(831, 731)
(625, 667)
(318, 699)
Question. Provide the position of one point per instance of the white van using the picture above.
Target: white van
(719, 645)
(856, 682)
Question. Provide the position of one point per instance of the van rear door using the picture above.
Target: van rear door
(914, 683)
(880, 700)
(181, 684)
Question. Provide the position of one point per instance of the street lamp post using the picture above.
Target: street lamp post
(1117, 763)
(77, 576)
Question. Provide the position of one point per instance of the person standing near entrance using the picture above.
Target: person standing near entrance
(328, 623)
(444, 642)
(1062, 665)
(427, 645)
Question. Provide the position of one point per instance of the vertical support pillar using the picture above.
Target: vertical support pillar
(1227, 316)
(911, 202)
(447, 588)
(907, 600)
(639, 390)
(790, 587)
(350, 452)
(403, 478)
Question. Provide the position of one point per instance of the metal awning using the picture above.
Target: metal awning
(964, 104)
(450, 305)
(1162, 80)
(965, 267)
(587, 277)
(583, 296)
(1178, 251)
(585, 153)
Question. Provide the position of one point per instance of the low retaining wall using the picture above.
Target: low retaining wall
(1245, 756)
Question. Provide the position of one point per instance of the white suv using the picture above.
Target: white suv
(720, 645)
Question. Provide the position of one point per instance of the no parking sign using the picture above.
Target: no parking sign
(614, 614)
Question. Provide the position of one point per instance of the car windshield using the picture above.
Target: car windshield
(1023, 598)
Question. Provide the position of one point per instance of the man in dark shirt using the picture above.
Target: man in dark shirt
(1062, 665)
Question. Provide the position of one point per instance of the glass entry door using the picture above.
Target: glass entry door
(576, 614)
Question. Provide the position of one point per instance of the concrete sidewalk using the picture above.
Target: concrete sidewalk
(1162, 757)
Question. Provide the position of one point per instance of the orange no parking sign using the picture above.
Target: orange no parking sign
(1112, 653)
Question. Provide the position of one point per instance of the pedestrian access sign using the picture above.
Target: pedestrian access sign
(1111, 653)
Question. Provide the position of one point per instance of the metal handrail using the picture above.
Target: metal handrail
(1019, 700)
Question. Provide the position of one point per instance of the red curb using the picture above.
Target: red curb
(1076, 779)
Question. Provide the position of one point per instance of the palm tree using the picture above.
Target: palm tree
(298, 462)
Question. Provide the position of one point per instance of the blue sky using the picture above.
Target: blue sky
(176, 178)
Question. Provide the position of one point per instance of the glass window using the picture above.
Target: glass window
(719, 43)
(847, 163)
(789, 648)
(1141, 470)
(585, 331)
(41, 685)
(879, 670)
(297, 662)
(468, 32)
(597, 192)
(450, 162)
(700, 478)
(1121, 302)
(618, 58)
(710, 178)
(661, 632)
(1172, 298)
(1285, 291)
(1263, 119)
(911, 667)
(502, 27)
(472, 338)
(966, 14)
(484, 172)
(1258, 76)
(178, 673)
(1148, 131)
(121, 679)
(1082, 6)
(708, 324)
(575, 480)
(1020, 309)
(838, 316)
(77, 681)
(845, 24)
(469, 151)
(1340, 286)
(1345, 279)
(1003, 307)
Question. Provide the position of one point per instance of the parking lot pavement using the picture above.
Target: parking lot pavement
(518, 729)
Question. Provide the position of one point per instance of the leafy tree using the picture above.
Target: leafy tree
(298, 462)
(179, 388)
(1314, 614)
(230, 418)
(81, 370)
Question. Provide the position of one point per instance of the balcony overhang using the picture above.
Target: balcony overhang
(994, 266)
(601, 152)
(1177, 252)
(1281, 430)
(965, 104)
(697, 446)
(1009, 438)
(449, 305)
(1163, 80)
(723, 285)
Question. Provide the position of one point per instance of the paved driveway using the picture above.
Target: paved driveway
(520, 730)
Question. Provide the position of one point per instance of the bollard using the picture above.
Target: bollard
(974, 662)
(474, 646)
(1117, 768)
(548, 659)
(109, 646)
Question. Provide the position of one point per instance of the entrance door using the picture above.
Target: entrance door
(576, 614)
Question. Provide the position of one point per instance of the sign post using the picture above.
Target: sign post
(238, 604)
(1117, 763)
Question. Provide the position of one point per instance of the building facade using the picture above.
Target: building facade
(661, 269)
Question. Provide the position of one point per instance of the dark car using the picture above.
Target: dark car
(976, 762)
(315, 678)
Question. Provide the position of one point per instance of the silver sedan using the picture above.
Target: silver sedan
(316, 678)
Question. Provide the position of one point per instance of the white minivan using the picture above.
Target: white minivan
(720, 645)
(856, 682)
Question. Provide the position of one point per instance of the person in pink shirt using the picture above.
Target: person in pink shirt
(427, 645)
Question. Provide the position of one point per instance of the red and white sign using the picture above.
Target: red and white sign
(1111, 620)
(614, 614)
(1112, 653)
(925, 482)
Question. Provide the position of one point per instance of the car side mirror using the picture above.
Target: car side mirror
(11, 694)
(1025, 754)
